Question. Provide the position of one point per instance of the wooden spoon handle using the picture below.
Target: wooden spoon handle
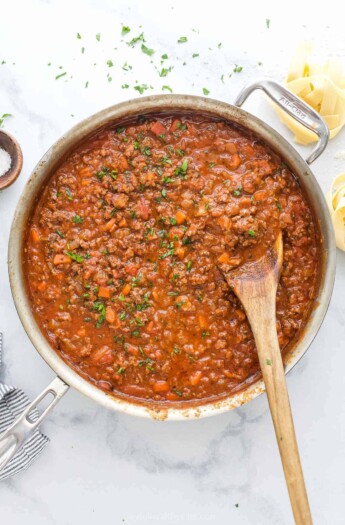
(261, 314)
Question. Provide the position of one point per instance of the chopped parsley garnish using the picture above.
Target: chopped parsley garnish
(176, 349)
(75, 256)
(195, 55)
(167, 88)
(110, 63)
(172, 221)
(164, 57)
(238, 192)
(178, 392)
(77, 219)
(182, 40)
(125, 86)
(164, 193)
(107, 171)
(279, 206)
(205, 91)
(100, 307)
(120, 371)
(181, 171)
(147, 50)
(79, 36)
(126, 66)
(268, 362)
(60, 234)
(181, 126)
(252, 233)
(268, 21)
(237, 69)
(98, 37)
(145, 150)
(189, 266)
(205, 334)
(187, 240)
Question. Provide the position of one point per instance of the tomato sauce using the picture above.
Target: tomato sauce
(123, 248)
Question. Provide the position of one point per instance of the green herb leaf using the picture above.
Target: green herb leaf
(61, 75)
(182, 40)
(75, 256)
(3, 117)
(125, 30)
(141, 88)
(252, 233)
(164, 72)
(268, 21)
(205, 91)
(136, 39)
(189, 266)
(110, 63)
(237, 69)
(98, 37)
(77, 219)
(268, 362)
(60, 234)
(147, 50)
(79, 36)
(167, 88)
(164, 57)
(181, 171)
(195, 55)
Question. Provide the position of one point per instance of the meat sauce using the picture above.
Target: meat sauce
(123, 250)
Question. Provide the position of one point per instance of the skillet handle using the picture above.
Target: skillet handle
(15, 436)
(295, 107)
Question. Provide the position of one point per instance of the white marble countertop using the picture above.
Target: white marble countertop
(103, 467)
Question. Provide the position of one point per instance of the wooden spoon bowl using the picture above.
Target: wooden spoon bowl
(9, 144)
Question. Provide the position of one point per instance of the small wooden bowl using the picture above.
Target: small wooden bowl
(9, 144)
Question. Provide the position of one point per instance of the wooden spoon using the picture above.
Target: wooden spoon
(255, 284)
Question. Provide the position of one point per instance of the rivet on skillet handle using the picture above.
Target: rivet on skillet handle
(15, 436)
(295, 107)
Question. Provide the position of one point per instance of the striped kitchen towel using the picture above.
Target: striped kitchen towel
(12, 403)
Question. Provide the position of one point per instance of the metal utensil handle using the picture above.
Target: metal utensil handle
(15, 436)
(295, 107)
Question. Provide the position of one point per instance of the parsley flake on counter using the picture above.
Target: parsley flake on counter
(167, 88)
(237, 69)
(164, 57)
(165, 71)
(110, 63)
(205, 91)
(194, 55)
(136, 39)
(268, 21)
(79, 36)
(61, 75)
(3, 117)
(182, 40)
(125, 30)
(141, 88)
(98, 37)
(147, 50)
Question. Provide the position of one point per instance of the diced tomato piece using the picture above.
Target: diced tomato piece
(180, 217)
(104, 292)
(160, 386)
(195, 377)
(60, 258)
(132, 269)
(35, 236)
(157, 128)
(175, 125)
(143, 210)
(126, 289)
(110, 315)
